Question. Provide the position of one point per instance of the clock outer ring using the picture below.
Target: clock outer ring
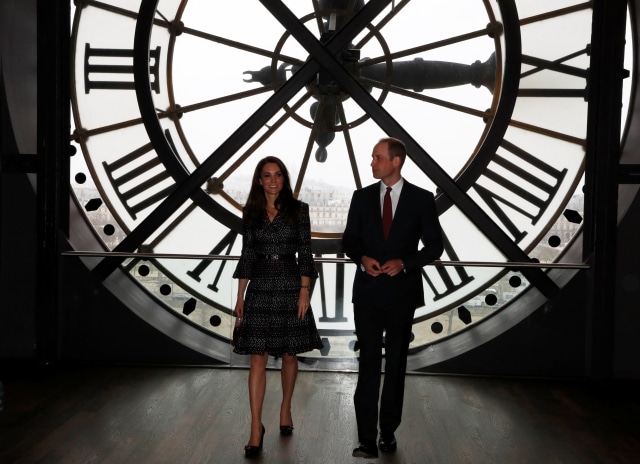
(203, 344)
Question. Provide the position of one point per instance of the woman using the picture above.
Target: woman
(276, 315)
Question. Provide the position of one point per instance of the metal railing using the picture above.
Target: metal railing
(508, 264)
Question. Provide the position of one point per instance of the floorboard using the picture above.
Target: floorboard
(144, 414)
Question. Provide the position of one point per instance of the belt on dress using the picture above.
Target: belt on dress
(275, 256)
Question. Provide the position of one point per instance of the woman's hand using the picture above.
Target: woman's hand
(239, 307)
(242, 286)
(303, 302)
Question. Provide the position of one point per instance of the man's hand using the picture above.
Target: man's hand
(371, 266)
(393, 267)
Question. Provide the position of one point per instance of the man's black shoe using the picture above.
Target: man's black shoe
(388, 445)
(364, 451)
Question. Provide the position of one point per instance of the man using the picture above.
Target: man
(387, 288)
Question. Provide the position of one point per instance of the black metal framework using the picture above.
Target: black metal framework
(52, 167)
(601, 179)
(603, 148)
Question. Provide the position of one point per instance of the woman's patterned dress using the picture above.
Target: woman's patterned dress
(270, 323)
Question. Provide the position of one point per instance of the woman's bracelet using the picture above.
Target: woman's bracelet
(306, 287)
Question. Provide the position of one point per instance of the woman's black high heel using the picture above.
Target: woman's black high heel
(286, 430)
(253, 451)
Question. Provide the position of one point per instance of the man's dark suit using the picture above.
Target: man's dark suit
(385, 303)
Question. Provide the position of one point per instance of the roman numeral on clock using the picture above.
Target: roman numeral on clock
(225, 245)
(448, 278)
(112, 69)
(149, 183)
(526, 190)
(338, 315)
(556, 66)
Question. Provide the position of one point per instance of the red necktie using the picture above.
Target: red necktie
(387, 215)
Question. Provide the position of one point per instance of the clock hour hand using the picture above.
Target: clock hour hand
(419, 74)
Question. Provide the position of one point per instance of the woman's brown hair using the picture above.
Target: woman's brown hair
(256, 204)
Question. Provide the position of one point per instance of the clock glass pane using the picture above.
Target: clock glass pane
(507, 127)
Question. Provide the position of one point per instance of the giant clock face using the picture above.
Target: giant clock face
(175, 101)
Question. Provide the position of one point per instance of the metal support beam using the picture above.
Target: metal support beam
(601, 181)
(53, 18)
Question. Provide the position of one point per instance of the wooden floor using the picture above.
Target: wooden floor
(142, 415)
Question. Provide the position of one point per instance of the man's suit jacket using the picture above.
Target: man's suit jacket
(415, 219)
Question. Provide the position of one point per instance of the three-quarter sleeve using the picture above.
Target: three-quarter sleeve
(248, 254)
(305, 258)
